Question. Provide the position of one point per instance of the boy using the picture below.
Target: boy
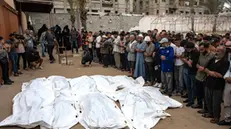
(167, 60)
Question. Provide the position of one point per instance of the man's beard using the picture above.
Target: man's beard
(219, 56)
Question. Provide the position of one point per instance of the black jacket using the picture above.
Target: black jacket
(221, 67)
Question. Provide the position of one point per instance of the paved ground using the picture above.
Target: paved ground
(185, 118)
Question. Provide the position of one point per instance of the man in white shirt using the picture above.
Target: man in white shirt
(98, 41)
(116, 50)
(179, 67)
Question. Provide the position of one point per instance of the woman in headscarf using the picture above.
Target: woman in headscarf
(66, 35)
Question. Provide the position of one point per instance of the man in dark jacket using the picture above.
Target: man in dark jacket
(4, 63)
(191, 58)
(167, 60)
(215, 83)
(51, 40)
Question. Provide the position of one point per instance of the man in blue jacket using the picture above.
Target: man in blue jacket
(167, 60)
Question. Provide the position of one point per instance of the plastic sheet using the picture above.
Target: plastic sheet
(98, 111)
(61, 103)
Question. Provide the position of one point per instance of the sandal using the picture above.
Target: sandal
(214, 120)
(207, 115)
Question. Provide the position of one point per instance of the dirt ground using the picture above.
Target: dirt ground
(185, 118)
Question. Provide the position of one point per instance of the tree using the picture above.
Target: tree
(83, 12)
(192, 13)
(215, 7)
(73, 10)
(78, 10)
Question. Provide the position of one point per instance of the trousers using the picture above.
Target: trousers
(14, 58)
(200, 93)
(179, 81)
(50, 52)
(167, 79)
(23, 55)
(227, 102)
(117, 59)
(149, 71)
(106, 60)
(5, 70)
(213, 101)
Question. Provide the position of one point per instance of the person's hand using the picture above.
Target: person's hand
(163, 58)
(145, 54)
(153, 54)
(177, 56)
(189, 63)
(212, 74)
(228, 79)
(200, 68)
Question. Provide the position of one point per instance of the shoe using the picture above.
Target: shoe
(16, 75)
(189, 104)
(214, 120)
(202, 111)
(164, 92)
(160, 85)
(186, 101)
(181, 94)
(184, 96)
(223, 122)
(156, 85)
(178, 94)
(7, 83)
(10, 81)
(19, 73)
(196, 106)
(40, 67)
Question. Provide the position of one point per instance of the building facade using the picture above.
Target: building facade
(98, 6)
(162, 7)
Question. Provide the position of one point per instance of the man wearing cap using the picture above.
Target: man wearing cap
(116, 50)
(149, 60)
(140, 49)
(167, 60)
(105, 49)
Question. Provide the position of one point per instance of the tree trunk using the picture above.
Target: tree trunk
(84, 23)
(192, 23)
(215, 23)
(79, 25)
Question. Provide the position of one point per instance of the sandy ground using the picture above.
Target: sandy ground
(185, 118)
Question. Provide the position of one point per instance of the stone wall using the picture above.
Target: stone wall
(94, 23)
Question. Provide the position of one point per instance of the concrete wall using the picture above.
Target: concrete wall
(94, 23)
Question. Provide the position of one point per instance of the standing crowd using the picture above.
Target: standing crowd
(173, 62)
